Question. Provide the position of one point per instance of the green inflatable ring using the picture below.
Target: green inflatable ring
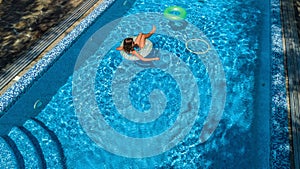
(168, 13)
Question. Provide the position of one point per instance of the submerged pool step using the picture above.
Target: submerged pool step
(50, 145)
(25, 144)
(8, 158)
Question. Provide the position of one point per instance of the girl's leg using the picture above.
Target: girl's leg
(138, 39)
(151, 32)
(141, 38)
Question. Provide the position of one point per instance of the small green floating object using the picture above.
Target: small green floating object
(37, 104)
(169, 13)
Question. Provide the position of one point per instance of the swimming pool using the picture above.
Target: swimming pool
(93, 109)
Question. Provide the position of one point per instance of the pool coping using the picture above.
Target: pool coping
(279, 148)
(292, 64)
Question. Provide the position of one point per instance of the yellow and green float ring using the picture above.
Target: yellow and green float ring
(168, 13)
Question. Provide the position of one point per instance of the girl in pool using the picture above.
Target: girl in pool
(129, 45)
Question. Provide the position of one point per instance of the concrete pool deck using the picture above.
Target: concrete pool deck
(290, 14)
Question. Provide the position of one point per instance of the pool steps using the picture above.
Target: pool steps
(55, 139)
(7, 156)
(32, 145)
(26, 148)
(48, 145)
(36, 146)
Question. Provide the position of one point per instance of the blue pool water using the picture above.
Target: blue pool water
(187, 110)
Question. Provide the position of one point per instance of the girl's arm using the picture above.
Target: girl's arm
(142, 58)
(120, 48)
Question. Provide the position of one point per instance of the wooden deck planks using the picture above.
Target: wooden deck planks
(292, 55)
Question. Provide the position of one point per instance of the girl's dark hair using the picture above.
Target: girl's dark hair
(127, 45)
